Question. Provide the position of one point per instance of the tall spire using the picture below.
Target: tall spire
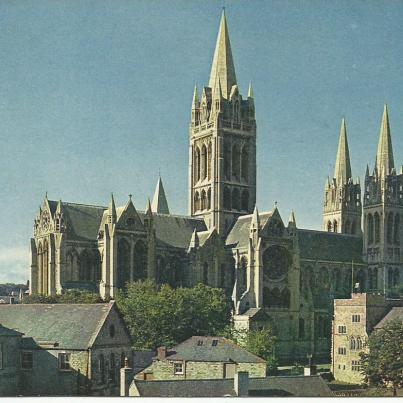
(160, 204)
(342, 170)
(384, 156)
(250, 90)
(112, 210)
(223, 64)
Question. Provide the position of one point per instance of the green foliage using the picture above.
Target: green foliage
(163, 316)
(261, 342)
(382, 365)
(69, 297)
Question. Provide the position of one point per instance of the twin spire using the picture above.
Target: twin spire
(342, 170)
(223, 70)
(384, 155)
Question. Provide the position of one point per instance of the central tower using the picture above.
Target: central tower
(222, 152)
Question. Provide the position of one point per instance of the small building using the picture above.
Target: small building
(203, 357)
(240, 386)
(63, 349)
(354, 320)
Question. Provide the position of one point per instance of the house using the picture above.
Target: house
(240, 386)
(203, 357)
(62, 349)
(354, 320)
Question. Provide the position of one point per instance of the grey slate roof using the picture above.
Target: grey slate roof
(142, 360)
(72, 326)
(225, 351)
(396, 313)
(5, 331)
(239, 234)
(321, 245)
(301, 386)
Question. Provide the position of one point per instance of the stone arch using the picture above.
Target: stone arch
(396, 277)
(370, 229)
(208, 198)
(243, 267)
(86, 266)
(236, 156)
(203, 156)
(245, 200)
(352, 343)
(196, 201)
(45, 267)
(389, 228)
(396, 232)
(285, 297)
(329, 226)
(245, 163)
(72, 266)
(275, 298)
(227, 159)
(123, 263)
(197, 164)
(335, 226)
(227, 198)
(353, 227)
(359, 344)
(209, 159)
(235, 199)
(139, 261)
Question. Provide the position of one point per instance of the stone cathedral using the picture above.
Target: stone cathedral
(274, 271)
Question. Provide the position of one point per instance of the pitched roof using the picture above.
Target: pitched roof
(396, 313)
(301, 386)
(239, 234)
(321, 245)
(224, 351)
(72, 326)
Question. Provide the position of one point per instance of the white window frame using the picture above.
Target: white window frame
(182, 371)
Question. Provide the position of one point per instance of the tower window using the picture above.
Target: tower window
(227, 198)
(235, 199)
(236, 156)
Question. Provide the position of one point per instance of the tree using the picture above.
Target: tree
(163, 316)
(69, 297)
(261, 342)
(382, 364)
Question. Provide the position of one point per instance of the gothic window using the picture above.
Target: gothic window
(96, 264)
(329, 226)
(352, 344)
(347, 227)
(353, 228)
(389, 232)
(301, 329)
(242, 274)
(285, 298)
(112, 368)
(197, 164)
(370, 228)
(175, 275)
(396, 235)
(227, 160)
(245, 163)
(245, 200)
(235, 199)
(101, 367)
(196, 201)
(209, 158)
(203, 199)
(274, 298)
(140, 261)
(276, 262)
(45, 267)
(236, 156)
(334, 226)
(359, 344)
(377, 227)
(227, 198)
(205, 273)
(338, 280)
(390, 278)
(396, 277)
(208, 198)
(123, 267)
(85, 266)
(203, 173)
(375, 279)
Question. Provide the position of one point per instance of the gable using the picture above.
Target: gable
(128, 218)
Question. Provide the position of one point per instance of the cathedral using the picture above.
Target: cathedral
(274, 271)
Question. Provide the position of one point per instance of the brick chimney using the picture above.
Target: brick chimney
(241, 384)
(162, 353)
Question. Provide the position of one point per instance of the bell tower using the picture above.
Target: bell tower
(222, 152)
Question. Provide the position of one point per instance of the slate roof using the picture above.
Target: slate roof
(321, 245)
(276, 386)
(396, 313)
(142, 360)
(239, 234)
(5, 331)
(72, 326)
(224, 351)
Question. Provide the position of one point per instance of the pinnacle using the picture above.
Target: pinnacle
(223, 64)
(342, 171)
(384, 157)
(250, 90)
(195, 101)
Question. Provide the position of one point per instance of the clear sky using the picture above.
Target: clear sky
(95, 97)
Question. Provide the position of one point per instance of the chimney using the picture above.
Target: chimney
(162, 353)
(241, 384)
(126, 377)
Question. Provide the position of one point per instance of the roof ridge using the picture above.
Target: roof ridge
(78, 204)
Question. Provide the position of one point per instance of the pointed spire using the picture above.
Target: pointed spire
(112, 210)
(342, 170)
(223, 64)
(367, 171)
(59, 206)
(292, 220)
(149, 210)
(250, 90)
(255, 223)
(160, 204)
(195, 102)
(217, 91)
(384, 156)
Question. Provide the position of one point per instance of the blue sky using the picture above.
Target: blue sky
(95, 97)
